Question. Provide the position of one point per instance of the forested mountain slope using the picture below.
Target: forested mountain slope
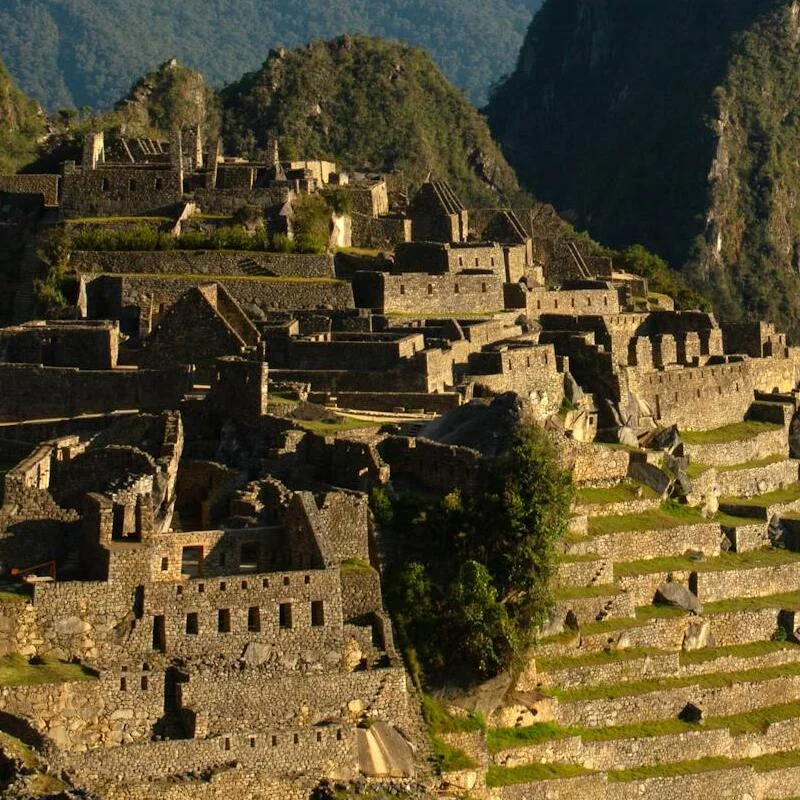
(89, 52)
(21, 125)
(673, 124)
(366, 102)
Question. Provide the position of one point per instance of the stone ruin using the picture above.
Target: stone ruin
(185, 522)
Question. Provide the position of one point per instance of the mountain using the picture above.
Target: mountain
(89, 52)
(368, 103)
(674, 125)
(21, 125)
(168, 97)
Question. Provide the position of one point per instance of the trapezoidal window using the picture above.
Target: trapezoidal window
(430, 288)
(192, 624)
(192, 561)
(317, 613)
(249, 556)
(105, 185)
(224, 620)
(132, 185)
(254, 619)
(285, 615)
(159, 184)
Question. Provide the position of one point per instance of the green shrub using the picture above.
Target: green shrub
(470, 582)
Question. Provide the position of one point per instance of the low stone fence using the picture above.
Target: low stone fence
(728, 454)
(757, 480)
(705, 537)
(755, 582)
(596, 572)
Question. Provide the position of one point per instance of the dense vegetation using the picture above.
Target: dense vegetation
(670, 124)
(88, 52)
(21, 125)
(471, 579)
(368, 103)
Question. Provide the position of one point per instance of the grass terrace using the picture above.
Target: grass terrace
(669, 515)
(755, 721)
(713, 680)
(622, 493)
(779, 496)
(725, 561)
(15, 670)
(755, 464)
(736, 432)
(342, 426)
(118, 220)
(787, 600)
(751, 650)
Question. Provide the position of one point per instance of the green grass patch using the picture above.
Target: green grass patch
(696, 469)
(329, 428)
(355, 565)
(596, 659)
(736, 432)
(15, 670)
(16, 592)
(440, 721)
(117, 220)
(787, 495)
(531, 773)
(756, 721)
(725, 561)
(450, 759)
(670, 515)
(751, 650)
(622, 493)
(762, 462)
(785, 600)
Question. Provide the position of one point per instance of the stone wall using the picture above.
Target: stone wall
(380, 233)
(45, 185)
(119, 191)
(755, 582)
(31, 391)
(77, 715)
(595, 464)
(84, 345)
(211, 263)
(254, 700)
(757, 480)
(769, 443)
(711, 396)
(572, 301)
(277, 752)
(428, 294)
(438, 467)
(113, 295)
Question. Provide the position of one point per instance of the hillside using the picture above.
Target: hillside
(672, 124)
(88, 52)
(367, 102)
(169, 96)
(21, 125)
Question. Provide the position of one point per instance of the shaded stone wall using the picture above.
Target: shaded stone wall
(53, 344)
(119, 191)
(45, 185)
(31, 391)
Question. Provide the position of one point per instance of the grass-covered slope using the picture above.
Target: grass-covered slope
(88, 52)
(367, 102)
(21, 125)
(671, 124)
